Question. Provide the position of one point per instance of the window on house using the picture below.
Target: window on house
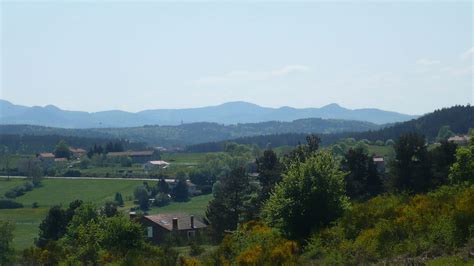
(149, 231)
(191, 234)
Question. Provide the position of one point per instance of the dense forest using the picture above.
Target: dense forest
(194, 133)
(459, 119)
(27, 144)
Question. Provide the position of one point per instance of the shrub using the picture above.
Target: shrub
(72, 173)
(35, 205)
(162, 199)
(15, 192)
(10, 204)
(398, 226)
(28, 186)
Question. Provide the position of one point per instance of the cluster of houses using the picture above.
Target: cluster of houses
(149, 158)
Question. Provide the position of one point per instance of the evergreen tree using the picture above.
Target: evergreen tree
(163, 186)
(442, 157)
(362, 180)
(119, 199)
(411, 169)
(227, 208)
(62, 150)
(269, 170)
(141, 195)
(180, 190)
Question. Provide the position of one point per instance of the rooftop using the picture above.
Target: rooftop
(46, 155)
(165, 220)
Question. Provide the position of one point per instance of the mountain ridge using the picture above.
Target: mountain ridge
(227, 113)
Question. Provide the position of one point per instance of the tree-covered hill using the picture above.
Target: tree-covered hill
(459, 119)
(194, 133)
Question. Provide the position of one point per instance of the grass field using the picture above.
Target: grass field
(196, 206)
(384, 151)
(63, 191)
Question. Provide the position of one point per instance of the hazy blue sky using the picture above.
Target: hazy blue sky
(406, 57)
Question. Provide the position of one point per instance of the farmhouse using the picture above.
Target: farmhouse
(77, 153)
(380, 164)
(151, 165)
(46, 158)
(160, 227)
(137, 156)
(459, 140)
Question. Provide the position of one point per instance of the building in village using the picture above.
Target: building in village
(380, 164)
(161, 227)
(462, 140)
(46, 159)
(153, 165)
(77, 152)
(137, 156)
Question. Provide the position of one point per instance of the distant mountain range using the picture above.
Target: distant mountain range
(227, 113)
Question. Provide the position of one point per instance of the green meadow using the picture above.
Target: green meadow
(63, 191)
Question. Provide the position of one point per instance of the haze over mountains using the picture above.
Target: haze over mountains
(227, 113)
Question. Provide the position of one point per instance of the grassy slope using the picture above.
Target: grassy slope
(197, 206)
(63, 191)
(53, 192)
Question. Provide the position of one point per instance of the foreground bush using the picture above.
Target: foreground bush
(254, 244)
(390, 226)
(10, 204)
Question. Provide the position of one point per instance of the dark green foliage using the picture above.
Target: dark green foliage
(72, 173)
(411, 169)
(269, 170)
(198, 132)
(120, 235)
(125, 161)
(119, 199)
(9, 204)
(444, 133)
(162, 199)
(163, 186)
(55, 223)
(62, 150)
(458, 118)
(362, 180)
(442, 157)
(195, 249)
(302, 151)
(113, 147)
(462, 171)
(25, 139)
(53, 226)
(227, 208)
(142, 196)
(180, 190)
(110, 209)
(6, 238)
(19, 190)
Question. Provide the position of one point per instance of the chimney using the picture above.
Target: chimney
(175, 224)
(192, 221)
